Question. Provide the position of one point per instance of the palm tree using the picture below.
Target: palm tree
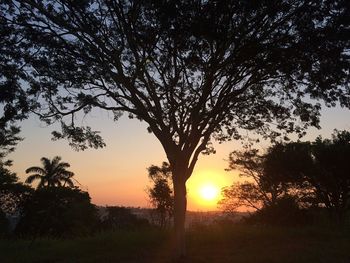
(52, 173)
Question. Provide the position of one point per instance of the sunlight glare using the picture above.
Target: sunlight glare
(209, 192)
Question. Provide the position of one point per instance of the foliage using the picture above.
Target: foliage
(117, 218)
(57, 212)
(290, 163)
(8, 140)
(168, 58)
(241, 195)
(331, 178)
(285, 212)
(12, 192)
(53, 173)
(13, 98)
(161, 193)
(13, 195)
(315, 174)
(6, 176)
(318, 171)
(263, 187)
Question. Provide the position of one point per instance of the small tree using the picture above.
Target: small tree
(161, 193)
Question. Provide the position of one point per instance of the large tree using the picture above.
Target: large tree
(194, 70)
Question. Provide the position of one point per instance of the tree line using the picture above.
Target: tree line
(290, 179)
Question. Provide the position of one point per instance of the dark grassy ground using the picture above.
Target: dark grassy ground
(214, 244)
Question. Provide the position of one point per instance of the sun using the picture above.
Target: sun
(209, 192)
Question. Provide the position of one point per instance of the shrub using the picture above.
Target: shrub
(285, 212)
(118, 217)
(58, 212)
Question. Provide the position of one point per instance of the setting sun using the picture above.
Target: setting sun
(209, 192)
(204, 188)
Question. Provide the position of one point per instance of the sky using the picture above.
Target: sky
(117, 174)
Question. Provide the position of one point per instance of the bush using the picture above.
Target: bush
(285, 212)
(118, 217)
(58, 212)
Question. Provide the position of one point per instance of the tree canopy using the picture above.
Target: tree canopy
(190, 69)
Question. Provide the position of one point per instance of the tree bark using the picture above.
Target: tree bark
(180, 205)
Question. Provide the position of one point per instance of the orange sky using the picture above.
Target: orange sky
(116, 175)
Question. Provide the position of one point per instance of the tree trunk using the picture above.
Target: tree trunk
(180, 204)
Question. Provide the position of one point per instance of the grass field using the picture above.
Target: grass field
(214, 244)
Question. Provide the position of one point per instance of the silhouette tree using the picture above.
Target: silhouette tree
(13, 100)
(316, 171)
(313, 173)
(53, 173)
(290, 163)
(194, 71)
(57, 212)
(12, 192)
(9, 138)
(241, 195)
(119, 217)
(161, 193)
(275, 188)
(263, 186)
(330, 176)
